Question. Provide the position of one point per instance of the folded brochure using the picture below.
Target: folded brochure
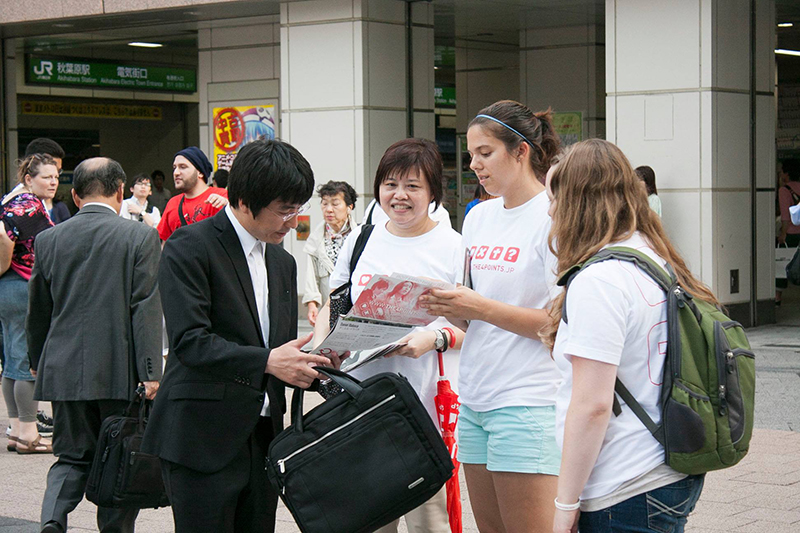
(386, 311)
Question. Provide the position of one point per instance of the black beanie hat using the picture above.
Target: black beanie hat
(197, 158)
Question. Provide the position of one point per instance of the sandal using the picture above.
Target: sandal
(12, 447)
(33, 447)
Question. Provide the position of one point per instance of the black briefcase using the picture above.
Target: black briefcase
(360, 460)
(121, 475)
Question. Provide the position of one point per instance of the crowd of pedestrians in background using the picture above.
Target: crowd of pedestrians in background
(541, 448)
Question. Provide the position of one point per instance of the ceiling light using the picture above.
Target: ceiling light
(62, 25)
(787, 52)
(785, 25)
(146, 45)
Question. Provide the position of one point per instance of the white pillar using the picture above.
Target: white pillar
(344, 84)
(563, 68)
(678, 100)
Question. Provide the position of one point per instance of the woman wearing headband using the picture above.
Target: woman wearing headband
(507, 380)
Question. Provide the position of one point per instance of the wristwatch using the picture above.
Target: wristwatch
(440, 344)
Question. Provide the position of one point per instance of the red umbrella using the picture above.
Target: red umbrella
(447, 406)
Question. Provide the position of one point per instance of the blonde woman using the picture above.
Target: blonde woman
(613, 476)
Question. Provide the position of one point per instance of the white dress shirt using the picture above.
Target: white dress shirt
(124, 212)
(100, 203)
(254, 251)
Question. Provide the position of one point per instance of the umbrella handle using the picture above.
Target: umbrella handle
(441, 363)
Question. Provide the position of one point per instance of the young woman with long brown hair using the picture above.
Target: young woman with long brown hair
(611, 466)
(507, 380)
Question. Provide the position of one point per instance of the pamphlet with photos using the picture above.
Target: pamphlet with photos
(386, 311)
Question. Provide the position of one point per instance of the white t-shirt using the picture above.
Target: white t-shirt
(618, 315)
(125, 213)
(379, 216)
(432, 255)
(511, 263)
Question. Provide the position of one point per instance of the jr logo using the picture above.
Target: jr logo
(44, 66)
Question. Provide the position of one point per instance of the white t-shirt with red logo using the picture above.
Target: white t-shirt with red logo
(432, 255)
(617, 315)
(511, 263)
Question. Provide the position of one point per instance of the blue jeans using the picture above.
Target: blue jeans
(13, 309)
(663, 510)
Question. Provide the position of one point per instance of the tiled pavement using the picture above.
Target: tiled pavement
(761, 494)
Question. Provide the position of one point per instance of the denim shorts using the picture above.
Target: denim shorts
(510, 439)
(13, 309)
(662, 510)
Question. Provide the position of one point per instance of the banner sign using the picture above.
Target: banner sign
(444, 96)
(235, 127)
(69, 109)
(90, 73)
(569, 126)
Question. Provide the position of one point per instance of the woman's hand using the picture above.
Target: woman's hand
(417, 343)
(217, 201)
(461, 303)
(313, 312)
(566, 521)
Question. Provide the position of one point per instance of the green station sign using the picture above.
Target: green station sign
(90, 73)
(444, 96)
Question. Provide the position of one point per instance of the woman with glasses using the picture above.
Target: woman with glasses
(408, 180)
(136, 207)
(24, 217)
(337, 199)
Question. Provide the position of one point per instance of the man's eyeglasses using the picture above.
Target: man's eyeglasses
(288, 216)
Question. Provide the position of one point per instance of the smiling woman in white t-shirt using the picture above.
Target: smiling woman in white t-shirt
(408, 179)
(613, 475)
(507, 380)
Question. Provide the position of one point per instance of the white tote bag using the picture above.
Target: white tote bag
(783, 254)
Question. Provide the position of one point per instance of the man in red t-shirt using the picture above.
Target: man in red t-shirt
(191, 170)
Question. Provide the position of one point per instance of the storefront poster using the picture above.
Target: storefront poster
(303, 229)
(234, 127)
(569, 126)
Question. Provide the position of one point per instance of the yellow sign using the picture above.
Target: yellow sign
(69, 109)
(235, 127)
(569, 126)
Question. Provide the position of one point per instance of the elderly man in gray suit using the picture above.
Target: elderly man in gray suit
(94, 331)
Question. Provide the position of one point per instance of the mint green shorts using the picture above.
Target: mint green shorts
(510, 439)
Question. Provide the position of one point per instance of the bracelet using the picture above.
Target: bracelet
(452, 343)
(567, 507)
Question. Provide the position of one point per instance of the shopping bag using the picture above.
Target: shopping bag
(783, 254)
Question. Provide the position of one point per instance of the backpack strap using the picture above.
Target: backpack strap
(795, 197)
(358, 248)
(368, 220)
(665, 279)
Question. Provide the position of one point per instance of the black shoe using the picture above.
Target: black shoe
(42, 417)
(52, 527)
(44, 429)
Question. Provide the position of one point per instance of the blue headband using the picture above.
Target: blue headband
(521, 136)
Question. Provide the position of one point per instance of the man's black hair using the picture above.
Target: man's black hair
(97, 177)
(267, 170)
(221, 178)
(141, 177)
(45, 146)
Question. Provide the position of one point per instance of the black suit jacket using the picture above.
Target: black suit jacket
(213, 388)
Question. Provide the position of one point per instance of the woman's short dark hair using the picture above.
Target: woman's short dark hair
(412, 155)
(537, 129)
(648, 176)
(266, 170)
(332, 188)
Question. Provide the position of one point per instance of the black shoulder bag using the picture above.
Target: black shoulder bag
(340, 301)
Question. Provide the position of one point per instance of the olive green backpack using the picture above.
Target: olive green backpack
(708, 391)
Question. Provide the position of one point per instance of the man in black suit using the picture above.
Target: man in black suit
(230, 301)
(94, 331)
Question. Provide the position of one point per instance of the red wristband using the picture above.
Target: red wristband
(452, 337)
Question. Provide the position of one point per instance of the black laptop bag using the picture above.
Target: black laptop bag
(361, 459)
(121, 475)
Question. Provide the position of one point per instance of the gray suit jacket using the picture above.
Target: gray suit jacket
(94, 316)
